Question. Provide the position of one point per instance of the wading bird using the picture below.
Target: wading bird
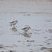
(27, 31)
(13, 23)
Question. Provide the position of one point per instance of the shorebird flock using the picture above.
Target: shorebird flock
(26, 30)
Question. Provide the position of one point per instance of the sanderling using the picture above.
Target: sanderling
(27, 31)
(13, 23)
(26, 28)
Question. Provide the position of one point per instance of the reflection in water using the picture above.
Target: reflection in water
(14, 29)
(26, 35)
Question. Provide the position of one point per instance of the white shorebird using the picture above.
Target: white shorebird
(26, 28)
(27, 31)
(13, 23)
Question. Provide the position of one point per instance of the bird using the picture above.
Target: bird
(27, 31)
(26, 28)
(13, 22)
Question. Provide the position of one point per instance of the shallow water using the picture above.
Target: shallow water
(37, 15)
